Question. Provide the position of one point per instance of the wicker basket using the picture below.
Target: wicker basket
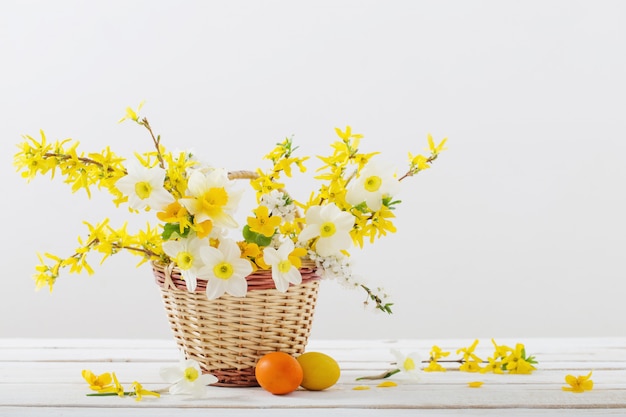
(227, 336)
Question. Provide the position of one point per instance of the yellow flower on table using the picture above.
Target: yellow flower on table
(578, 384)
(97, 382)
(494, 365)
(140, 391)
(517, 362)
(436, 353)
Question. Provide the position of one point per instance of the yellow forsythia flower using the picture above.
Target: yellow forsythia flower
(579, 384)
(97, 382)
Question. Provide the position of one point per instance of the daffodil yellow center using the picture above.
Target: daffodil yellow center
(409, 364)
(373, 183)
(143, 189)
(327, 229)
(191, 374)
(223, 270)
(184, 260)
(213, 200)
(284, 266)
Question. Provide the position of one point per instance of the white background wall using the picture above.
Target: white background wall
(517, 231)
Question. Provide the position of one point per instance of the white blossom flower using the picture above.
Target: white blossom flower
(409, 364)
(337, 266)
(331, 225)
(283, 271)
(374, 183)
(187, 378)
(212, 197)
(276, 202)
(186, 253)
(144, 187)
(225, 270)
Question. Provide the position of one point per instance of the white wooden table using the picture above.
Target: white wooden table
(43, 377)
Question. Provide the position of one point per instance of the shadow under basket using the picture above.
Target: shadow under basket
(227, 336)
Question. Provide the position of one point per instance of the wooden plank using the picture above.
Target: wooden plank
(300, 412)
(405, 395)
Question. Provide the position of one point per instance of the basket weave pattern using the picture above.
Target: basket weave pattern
(228, 335)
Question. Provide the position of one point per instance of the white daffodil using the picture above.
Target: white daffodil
(409, 364)
(212, 197)
(225, 270)
(144, 187)
(187, 378)
(283, 271)
(374, 183)
(187, 255)
(331, 225)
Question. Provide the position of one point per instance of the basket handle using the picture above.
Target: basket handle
(251, 175)
(243, 175)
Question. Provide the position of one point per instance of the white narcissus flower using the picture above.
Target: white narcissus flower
(187, 378)
(225, 270)
(331, 225)
(374, 183)
(186, 253)
(212, 197)
(409, 364)
(144, 187)
(283, 271)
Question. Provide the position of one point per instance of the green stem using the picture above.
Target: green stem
(109, 394)
(384, 375)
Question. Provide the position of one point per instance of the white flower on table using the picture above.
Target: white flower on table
(408, 364)
(187, 378)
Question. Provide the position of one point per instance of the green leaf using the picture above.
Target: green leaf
(387, 202)
(362, 207)
(254, 237)
(170, 229)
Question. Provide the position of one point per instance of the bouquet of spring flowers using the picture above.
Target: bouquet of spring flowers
(194, 207)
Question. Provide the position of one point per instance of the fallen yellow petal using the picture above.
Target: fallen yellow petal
(475, 384)
(361, 388)
(387, 384)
